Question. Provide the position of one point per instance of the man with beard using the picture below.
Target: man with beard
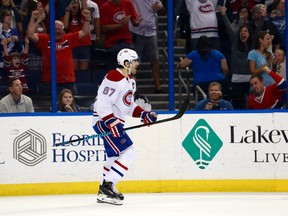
(267, 97)
(65, 43)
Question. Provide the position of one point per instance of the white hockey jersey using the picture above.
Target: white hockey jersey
(115, 95)
(203, 19)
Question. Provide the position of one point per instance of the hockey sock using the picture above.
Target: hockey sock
(120, 165)
(107, 166)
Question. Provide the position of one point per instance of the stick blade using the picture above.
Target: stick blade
(65, 143)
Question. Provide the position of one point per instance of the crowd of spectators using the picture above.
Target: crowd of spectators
(250, 35)
(238, 39)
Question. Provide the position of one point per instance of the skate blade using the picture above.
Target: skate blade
(108, 200)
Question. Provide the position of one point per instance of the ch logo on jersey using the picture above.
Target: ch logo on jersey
(17, 73)
(30, 148)
(202, 144)
(60, 46)
(206, 8)
(118, 17)
(127, 98)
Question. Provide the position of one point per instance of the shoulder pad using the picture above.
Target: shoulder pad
(114, 76)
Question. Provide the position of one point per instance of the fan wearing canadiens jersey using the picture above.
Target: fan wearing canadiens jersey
(15, 64)
(115, 100)
(267, 97)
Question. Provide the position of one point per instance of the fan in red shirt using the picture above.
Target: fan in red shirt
(114, 18)
(267, 97)
(65, 43)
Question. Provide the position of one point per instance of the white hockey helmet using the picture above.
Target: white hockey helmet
(126, 55)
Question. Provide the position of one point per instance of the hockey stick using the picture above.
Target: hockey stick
(180, 113)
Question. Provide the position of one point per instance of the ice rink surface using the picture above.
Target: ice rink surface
(150, 204)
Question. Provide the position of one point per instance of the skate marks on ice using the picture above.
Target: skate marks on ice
(152, 204)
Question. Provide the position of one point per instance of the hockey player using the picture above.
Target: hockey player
(115, 100)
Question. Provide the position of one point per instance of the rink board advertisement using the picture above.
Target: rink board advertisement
(206, 151)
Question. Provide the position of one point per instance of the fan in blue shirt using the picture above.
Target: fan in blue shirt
(214, 100)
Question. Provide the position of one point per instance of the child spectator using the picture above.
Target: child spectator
(15, 64)
(16, 43)
(280, 62)
(15, 14)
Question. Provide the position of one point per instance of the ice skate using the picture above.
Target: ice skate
(109, 194)
(102, 198)
(120, 195)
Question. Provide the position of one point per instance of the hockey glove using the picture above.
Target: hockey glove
(148, 117)
(115, 126)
